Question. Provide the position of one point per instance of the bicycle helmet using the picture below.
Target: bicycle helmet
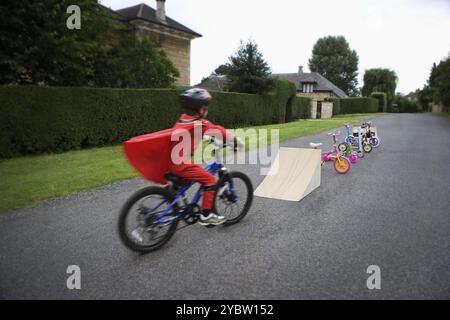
(195, 98)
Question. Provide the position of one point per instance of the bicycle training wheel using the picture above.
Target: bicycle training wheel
(138, 229)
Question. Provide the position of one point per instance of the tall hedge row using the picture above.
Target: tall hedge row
(382, 100)
(284, 91)
(358, 105)
(52, 119)
(298, 108)
(47, 119)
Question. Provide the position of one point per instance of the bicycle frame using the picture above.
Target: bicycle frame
(180, 195)
(330, 155)
(348, 134)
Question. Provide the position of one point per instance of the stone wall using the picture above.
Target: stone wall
(176, 45)
(313, 109)
(327, 110)
(436, 108)
(318, 96)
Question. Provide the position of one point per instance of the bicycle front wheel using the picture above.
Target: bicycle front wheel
(367, 147)
(234, 197)
(341, 165)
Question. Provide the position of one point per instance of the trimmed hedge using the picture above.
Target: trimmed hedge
(382, 100)
(284, 91)
(298, 108)
(336, 105)
(404, 105)
(358, 105)
(53, 119)
(48, 119)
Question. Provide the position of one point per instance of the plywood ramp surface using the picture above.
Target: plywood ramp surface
(294, 174)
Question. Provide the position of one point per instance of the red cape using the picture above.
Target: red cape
(149, 154)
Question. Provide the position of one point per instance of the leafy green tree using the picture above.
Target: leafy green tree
(36, 47)
(440, 78)
(380, 80)
(333, 58)
(403, 104)
(437, 89)
(426, 97)
(134, 64)
(247, 71)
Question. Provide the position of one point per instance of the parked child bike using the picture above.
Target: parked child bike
(346, 148)
(340, 163)
(371, 134)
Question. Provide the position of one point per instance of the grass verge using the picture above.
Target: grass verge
(27, 180)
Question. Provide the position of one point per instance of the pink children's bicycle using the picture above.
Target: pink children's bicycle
(340, 163)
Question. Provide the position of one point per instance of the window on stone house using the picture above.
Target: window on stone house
(308, 87)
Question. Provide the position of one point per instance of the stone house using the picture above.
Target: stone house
(173, 37)
(317, 87)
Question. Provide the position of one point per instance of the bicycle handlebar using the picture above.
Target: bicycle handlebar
(334, 133)
(220, 145)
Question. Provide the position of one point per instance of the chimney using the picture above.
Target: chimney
(300, 69)
(161, 10)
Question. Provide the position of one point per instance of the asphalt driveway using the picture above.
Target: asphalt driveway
(392, 210)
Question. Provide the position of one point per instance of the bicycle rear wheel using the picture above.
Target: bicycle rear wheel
(234, 197)
(138, 229)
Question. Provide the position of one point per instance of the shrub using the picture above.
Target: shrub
(382, 100)
(54, 119)
(359, 105)
(284, 91)
(298, 108)
(47, 119)
(404, 105)
(336, 105)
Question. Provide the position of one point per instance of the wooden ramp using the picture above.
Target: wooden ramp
(295, 173)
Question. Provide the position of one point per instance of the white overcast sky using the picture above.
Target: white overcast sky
(406, 36)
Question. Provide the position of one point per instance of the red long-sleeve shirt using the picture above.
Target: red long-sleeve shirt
(195, 128)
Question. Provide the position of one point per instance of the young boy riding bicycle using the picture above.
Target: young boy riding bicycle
(194, 103)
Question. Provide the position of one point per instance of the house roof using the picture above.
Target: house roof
(144, 12)
(322, 83)
(213, 82)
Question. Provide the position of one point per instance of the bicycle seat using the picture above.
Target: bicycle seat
(315, 145)
(176, 180)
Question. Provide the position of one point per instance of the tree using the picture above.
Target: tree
(440, 78)
(36, 47)
(380, 80)
(333, 58)
(247, 71)
(134, 64)
(437, 89)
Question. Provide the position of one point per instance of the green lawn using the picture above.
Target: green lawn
(27, 180)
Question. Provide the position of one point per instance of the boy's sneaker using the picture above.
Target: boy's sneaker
(211, 218)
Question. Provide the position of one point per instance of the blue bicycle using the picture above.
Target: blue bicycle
(150, 217)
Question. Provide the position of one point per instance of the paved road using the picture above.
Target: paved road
(391, 210)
